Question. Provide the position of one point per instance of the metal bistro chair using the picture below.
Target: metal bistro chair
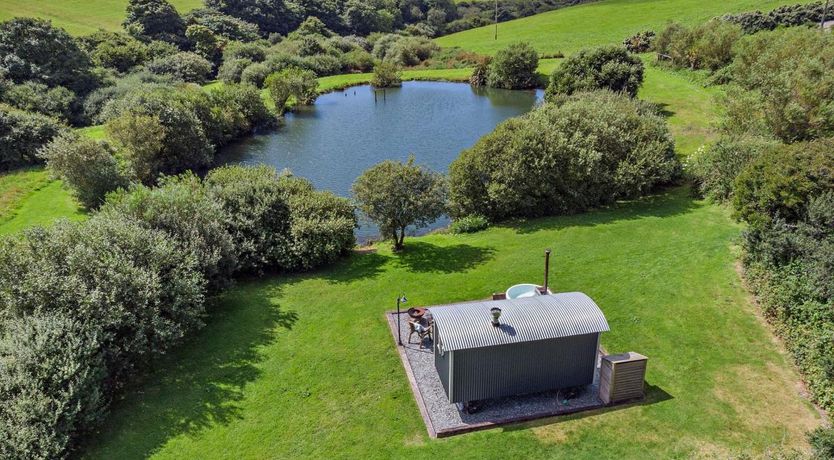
(422, 328)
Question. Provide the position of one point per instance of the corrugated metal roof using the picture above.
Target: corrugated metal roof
(469, 325)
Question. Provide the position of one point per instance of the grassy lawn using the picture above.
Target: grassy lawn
(304, 367)
(29, 197)
(604, 22)
(80, 17)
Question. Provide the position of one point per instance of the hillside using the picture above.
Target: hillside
(610, 21)
(80, 17)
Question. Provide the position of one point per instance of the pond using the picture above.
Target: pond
(347, 131)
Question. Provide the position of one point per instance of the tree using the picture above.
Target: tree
(34, 50)
(395, 195)
(185, 66)
(386, 75)
(156, 19)
(223, 25)
(259, 217)
(57, 102)
(300, 83)
(22, 134)
(160, 132)
(607, 67)
(271, 16)
(85, 165)
(514, 67)
(205, 43)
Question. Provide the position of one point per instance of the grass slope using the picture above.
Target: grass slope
(80, 17)
(29, 197)
(304, 367)
(604, 22)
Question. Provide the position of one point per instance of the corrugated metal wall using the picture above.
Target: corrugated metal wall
(520, 368)
(441, 363)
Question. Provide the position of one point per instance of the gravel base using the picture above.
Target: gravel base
(447, 419)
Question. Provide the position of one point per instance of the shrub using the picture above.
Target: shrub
(705, 46)
(190, 214)
(323, 64)
(255, 74)
(51, 384)
(48, 55)
(715, 168)
(322, 225)
(157, 133)
(223, 25)
(116, 51)
(303, 85)
(480, 75)
(232, 70)
(21, 135)
(87, 166)
(96, 103)
(397, 195)
(469, 224)
(358, 61)
(822, 442)
(786, 15)
(253, 51)
(779, 183)
(789, 84)
(84, 303)
(639, 42)
(259, 217)
(514, 67)
(404, 51)
(566, 156)
(156, 19)
(386, 75)
(57, 102)
(238, 110)
(269, 15)
(205, 43)
(280, 89)
(611, 68)
(185, 66)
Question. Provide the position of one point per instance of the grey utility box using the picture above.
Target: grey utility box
(621, 377)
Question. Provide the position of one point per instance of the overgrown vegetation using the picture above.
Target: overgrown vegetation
(567, 156)
(86, 305)
(612, 68)
(514, 67)
(774, 164)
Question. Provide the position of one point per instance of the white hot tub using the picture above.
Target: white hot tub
(520, 291)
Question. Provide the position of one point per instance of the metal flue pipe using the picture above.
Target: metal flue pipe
(546, 268)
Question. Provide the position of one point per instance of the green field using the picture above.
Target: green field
(79, 17)
(29, 197)
(604, 22)
(304, 366)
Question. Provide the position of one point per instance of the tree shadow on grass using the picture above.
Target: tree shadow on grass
(667, 203)
(357, 265)
(418, 256)
(200, 383)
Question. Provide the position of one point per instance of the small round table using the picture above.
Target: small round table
(416, 313)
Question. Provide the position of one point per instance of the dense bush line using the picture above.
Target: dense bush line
(785, 16)
(775, 164)
(83, 306)
(569, 155)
